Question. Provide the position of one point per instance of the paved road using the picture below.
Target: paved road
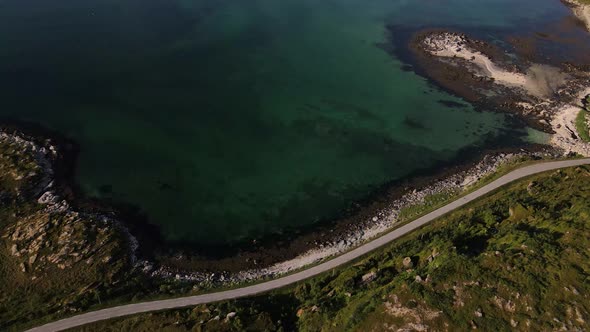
(136, 308)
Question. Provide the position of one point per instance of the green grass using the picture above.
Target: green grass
(433, 202)
(519, 256)
(582, 125)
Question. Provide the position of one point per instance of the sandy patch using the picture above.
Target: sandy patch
(540, 80)
(454, 46)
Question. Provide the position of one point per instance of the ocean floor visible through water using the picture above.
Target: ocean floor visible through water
(226, 120)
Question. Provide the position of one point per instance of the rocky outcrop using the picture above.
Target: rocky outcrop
(412, 316)
(44, 240)
(46, 232)
(25, 167)
(566, 136)
(581, 10)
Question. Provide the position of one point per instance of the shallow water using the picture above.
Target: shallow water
(225, 120)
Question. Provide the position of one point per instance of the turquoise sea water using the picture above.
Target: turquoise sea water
(230, 119)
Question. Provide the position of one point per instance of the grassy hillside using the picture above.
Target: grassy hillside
(53, 261)
(516, 259)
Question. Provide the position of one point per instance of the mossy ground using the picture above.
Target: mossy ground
(516, 259)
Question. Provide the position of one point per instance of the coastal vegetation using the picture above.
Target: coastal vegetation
(583, 120)
(435, 201)
(51, 261)
(516, 259)
(582, 125)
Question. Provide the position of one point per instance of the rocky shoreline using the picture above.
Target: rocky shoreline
(381, 222)
(566, 136)
(26, 239)
(581, 10)
(51, 233)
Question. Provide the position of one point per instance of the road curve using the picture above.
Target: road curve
(137, 308)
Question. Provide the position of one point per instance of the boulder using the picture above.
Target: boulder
(478, 313)
(300, 312)
(408, 264)
(369, 276)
